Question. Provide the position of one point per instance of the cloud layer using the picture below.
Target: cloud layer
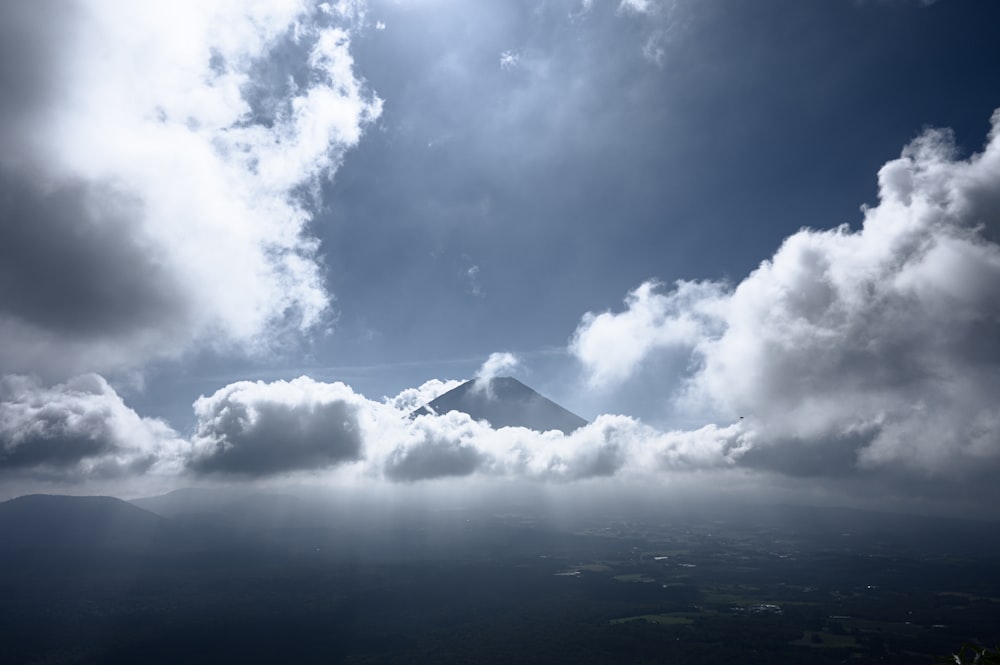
(82, 431)
(262, 429)
(869, 348)
(107, 263)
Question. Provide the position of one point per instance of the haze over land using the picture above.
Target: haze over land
(239, 245)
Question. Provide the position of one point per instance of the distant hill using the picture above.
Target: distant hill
(504, 402)
(236, 505)
(43, 520)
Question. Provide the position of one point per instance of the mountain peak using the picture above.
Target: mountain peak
(504, 401)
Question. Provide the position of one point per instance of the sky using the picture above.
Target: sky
(751, 242)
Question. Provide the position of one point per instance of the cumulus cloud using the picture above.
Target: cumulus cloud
(872, 348)
(82, 431)
(612, 345)
(438, 447)
(155, 173)
(79, 430)
(455, 445)
(305, 426)
(260, 429)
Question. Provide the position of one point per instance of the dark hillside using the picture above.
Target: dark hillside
(42, 520)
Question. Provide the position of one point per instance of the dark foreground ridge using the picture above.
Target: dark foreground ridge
(504, 402)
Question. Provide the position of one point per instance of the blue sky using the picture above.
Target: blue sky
(384, 193)
(585, 168)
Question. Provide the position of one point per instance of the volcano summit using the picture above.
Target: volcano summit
(504, 402)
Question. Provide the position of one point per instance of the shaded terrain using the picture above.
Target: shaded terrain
(787, 585)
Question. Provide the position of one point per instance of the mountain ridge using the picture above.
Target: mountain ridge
(41, 520)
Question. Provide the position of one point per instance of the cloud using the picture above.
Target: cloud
(497, 364)
(438, 447)
(414, 398)
(454, 445)
(655, 48)
(663, 25)
(475, 282)
(82, 431)
(848, 350)
(638, 6)
(510, 59)
(155, 173)
(261, 429)
(253, 430)
(612, 345)
(78, 430)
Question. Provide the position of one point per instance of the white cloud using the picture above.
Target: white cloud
(496, 365)
(80, 430)
(638, 6)
(871, 348)
(175, 139)
(304, 426)
(613, 345)
(475, 282)
(455, 445)
(510, 59)
(413, 398)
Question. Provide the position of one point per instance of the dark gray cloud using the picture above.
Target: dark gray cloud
(258, 429)
(428, 459)
(832, 457)
(30, 68)
(71, 262)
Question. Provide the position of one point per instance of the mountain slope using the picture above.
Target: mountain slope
(43, 520)
(504, 402)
